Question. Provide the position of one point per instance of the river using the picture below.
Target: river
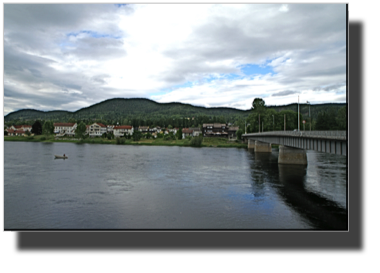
(158, 187)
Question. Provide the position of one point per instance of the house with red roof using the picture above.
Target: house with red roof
(96, 129)
(187, 132)
(11, 132)
(21, 127)
(19, 133)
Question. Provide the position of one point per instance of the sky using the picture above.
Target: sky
(70, 56)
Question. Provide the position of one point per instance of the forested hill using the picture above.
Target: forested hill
(138, 110)
(115, 109)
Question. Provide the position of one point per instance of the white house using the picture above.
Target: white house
(196, 131)
(96, 129)
(65, 128)
(186, 132)
(21, 127)
(110, 128)
(119, 131)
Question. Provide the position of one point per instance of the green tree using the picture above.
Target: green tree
(48, 128)
(326, 121)
(136, 136)
(257, 117)
(37, 128)
(169, 136)
(81, 130)
(110, 136)
(239, 133)
(179, 134)
(341, 118)
(258, 106)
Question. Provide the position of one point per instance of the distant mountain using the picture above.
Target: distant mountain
(142, 109)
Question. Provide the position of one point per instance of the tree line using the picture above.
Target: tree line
(261, 118)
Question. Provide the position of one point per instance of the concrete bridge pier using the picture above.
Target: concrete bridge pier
(288, 155)
(262, 147)
(251, 144)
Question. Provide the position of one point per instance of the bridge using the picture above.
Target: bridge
(294, 143)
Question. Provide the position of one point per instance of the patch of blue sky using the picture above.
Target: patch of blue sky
(120, 5)
(228, 76)
(93, 34)
(254, 69)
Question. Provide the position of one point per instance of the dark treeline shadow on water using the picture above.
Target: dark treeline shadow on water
(289, 183)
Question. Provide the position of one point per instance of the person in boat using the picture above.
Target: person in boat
(64, 155)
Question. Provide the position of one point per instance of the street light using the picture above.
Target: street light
(309, 114)
(298, 113)
(273, 122)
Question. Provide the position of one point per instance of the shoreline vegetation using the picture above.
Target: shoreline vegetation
(206, 142)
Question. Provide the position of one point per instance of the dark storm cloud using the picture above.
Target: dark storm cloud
(329, 87)
(35, 30)
(284, 93)
(36, 99)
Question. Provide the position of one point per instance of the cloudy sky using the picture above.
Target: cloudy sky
(69, 56)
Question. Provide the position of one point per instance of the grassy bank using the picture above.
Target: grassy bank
(207, 142)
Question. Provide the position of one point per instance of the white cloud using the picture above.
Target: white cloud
(83, 54)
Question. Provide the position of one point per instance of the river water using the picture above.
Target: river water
(156, 187)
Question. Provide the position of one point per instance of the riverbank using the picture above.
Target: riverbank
(207, 142)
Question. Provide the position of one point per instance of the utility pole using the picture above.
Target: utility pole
(284, 122)
(273, 123)
(298, 113)
(308, 102)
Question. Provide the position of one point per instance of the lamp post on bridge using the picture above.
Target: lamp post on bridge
(298, 113)
(308, 102)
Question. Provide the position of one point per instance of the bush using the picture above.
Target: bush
(160, 135)
(110, 136)
(43, 138)
(120, 140)
(196, 141)
(136, 135)
(169, 136)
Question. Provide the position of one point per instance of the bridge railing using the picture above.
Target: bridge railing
(316, 134)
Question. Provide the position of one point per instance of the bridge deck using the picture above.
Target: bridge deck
(334, 142)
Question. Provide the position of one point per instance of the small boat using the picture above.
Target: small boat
(61, 157)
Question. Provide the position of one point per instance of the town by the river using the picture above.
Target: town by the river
(163, 188)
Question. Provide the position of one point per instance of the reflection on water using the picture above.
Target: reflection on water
(317, 191)
(147, 187)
